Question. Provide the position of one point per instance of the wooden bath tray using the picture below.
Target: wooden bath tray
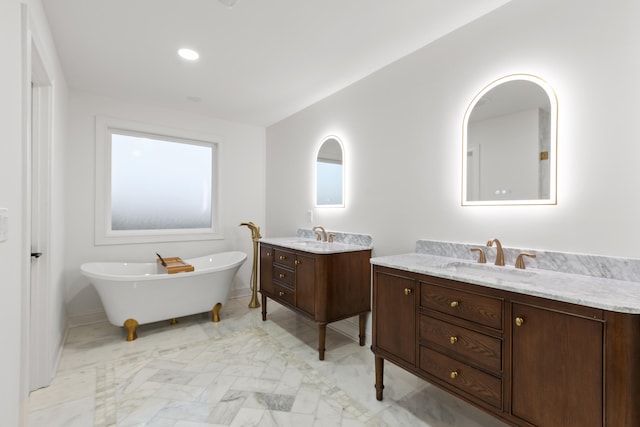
(175, 265)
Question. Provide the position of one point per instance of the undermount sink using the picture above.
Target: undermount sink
(488, 271)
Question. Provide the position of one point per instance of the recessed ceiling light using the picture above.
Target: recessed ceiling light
(188, 54)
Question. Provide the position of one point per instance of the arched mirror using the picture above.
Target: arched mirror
(509, 144)
(330, 173)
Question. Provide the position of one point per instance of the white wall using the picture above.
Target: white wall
(241, 182)
(11, 169)
(402, 130)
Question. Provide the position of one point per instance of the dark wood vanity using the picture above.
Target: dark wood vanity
(527, 360)
(324, 287)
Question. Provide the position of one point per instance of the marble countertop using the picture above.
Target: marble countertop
(314, 246)
(603, 293)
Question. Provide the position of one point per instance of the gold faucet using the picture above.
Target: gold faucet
(320, 232)
(499, 253)
(520, 259)
(482, 257)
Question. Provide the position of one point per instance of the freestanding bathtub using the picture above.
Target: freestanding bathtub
(137, 293)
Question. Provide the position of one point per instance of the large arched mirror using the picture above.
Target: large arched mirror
(509, 144)
(330, 173)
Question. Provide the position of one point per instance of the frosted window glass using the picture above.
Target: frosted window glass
(159, 185)
(329, 180)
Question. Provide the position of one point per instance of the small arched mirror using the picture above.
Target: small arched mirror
(509, 144)
(330, 173)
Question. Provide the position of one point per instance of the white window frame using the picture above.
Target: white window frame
(104, 235)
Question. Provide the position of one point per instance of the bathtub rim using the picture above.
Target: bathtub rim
(85, 268)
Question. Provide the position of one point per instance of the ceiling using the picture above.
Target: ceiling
(260, 61)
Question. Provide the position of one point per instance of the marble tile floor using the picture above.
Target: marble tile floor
(238, 372)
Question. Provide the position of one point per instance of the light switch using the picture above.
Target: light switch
(4, 224)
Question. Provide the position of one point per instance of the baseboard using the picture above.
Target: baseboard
(56, 361)
(351, 329)
(239, 293)
(87, 319)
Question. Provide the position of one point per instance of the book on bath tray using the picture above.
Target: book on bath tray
(174, 265)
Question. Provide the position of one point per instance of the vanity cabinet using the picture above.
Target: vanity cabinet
(527, 360)
(558, 358)
(397, 301)
(324, 287)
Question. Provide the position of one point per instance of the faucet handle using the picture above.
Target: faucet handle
(520, 259)
(331, 237)
(482, 259)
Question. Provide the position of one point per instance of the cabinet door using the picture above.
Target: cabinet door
(305, 283)
(557, 363)
(394, 315)
(266, 269)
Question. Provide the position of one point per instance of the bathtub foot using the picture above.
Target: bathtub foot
(173, 321)
(215, 312)
(131, 325)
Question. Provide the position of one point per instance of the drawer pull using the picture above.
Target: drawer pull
(281, 294)
(268, 253)
(282, 257)
(453, 339)
(282, 276)
(454, 304)
(408, 291)
(519, 321)
(453, 375)
(297, 262)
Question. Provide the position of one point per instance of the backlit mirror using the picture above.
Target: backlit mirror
(509, 144)
(330, 173)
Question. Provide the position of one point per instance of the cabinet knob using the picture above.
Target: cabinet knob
(282, 276)
(268, 253)
(453, 375)
(519, 321)
(454, 304)
(453, 339)
(408, 291)
(282, 257)
(297, 262)
(281, 293)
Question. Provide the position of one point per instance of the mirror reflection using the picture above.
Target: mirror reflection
(509, 144)
(330, 173)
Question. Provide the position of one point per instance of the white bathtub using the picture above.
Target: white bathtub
(137, 293)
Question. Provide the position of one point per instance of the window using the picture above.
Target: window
(154, 184)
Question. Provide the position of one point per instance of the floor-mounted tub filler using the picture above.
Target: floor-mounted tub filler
(137, 293)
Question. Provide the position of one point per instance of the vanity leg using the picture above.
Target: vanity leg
(264, 307)
(379, 362)
(322, 335)
(363, 323)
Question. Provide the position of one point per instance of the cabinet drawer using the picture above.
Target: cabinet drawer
(461, 376)
(465, 305)
(477, 348)
(285, 294)
(284, 257)
(284, 275)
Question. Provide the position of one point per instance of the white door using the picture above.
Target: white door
(40, 346)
